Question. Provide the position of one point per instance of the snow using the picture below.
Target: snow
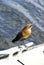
(33, 56)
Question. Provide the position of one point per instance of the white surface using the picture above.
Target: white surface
(30, 57)
(10, 51)
(29, 44)
(33, 57)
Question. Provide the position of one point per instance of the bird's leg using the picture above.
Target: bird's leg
(19, 44)
(24, 43)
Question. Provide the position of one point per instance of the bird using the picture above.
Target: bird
(24, 33)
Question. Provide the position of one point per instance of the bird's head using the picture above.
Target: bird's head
(28, 26)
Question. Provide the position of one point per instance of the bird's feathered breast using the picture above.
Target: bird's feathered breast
(26, 33)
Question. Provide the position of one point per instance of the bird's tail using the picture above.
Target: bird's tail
(18, 37)
(14, 40)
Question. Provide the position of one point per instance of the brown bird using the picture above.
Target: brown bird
(24, 33)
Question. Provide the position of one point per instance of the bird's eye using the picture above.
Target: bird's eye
(30, 25)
